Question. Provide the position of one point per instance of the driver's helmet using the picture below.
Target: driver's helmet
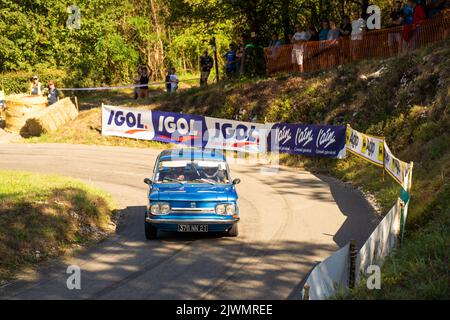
(211, 171)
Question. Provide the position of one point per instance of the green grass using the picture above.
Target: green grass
(44, 216)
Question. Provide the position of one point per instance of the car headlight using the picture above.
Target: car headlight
(230, 209)
(160, 208)
(220, 209)
(165, 208)
(226, 209)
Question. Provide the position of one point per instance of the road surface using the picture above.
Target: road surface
(289, 221)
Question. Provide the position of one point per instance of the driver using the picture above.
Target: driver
(214, 174)
(177, 173)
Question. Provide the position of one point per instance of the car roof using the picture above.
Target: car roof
(191, 154)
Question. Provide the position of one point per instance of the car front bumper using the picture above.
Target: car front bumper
(215, 224)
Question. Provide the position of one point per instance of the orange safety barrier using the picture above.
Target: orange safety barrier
(321, 55)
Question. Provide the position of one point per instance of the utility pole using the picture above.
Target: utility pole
(213, 44)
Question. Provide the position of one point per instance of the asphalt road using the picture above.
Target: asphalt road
(290, 220)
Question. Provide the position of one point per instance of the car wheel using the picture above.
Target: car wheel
(150, 231)
(233, 231)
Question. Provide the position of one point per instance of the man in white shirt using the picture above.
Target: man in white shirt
(298, 51)
(358, 25)
(173, 81)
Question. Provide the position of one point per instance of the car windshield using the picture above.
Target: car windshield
(192, 171)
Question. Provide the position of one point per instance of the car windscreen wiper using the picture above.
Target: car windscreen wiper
(174, 180)
(206, 180)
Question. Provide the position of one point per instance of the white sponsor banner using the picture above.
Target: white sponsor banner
(368, 147)
(237, 135)
(330, 276)
(398, 169)
(380, 243)
(127, 122)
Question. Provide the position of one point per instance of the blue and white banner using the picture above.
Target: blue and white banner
(179, 128)
(308, 140)
(236, 135)
(213, 133)
(127, 123)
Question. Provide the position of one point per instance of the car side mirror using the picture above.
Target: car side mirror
(148, 181)
(236, 181)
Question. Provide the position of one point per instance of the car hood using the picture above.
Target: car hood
(193, 192)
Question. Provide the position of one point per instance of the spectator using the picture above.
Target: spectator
(275, 42)
(206, 64)
(395, 21)
(137, 82)
(53, 93)
(143, 81)
(408, 11)
(358, 25)
(325, 28)
(435, 7)
(230, 58)
(35, 87)
(419, 17)
(313, 32)
(274, 47)
(240, 55)
(333, 34)
(173, 80)
(300, 37)
(345, 29)
(168, 83)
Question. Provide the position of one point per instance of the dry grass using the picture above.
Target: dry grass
(43, 216)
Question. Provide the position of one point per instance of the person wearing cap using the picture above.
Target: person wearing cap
(53, 93)
(35, 88)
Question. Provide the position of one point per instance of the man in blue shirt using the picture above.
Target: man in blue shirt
(230, 58)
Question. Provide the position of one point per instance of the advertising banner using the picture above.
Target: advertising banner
(368, 147)
(396, 168)
(236, 135)
(127, 122)
(179, 128)
(308, 140)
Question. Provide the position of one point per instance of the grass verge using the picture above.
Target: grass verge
(43, 216)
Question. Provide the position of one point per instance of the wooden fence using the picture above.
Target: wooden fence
(321, 55)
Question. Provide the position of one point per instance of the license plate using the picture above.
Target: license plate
(192, 228)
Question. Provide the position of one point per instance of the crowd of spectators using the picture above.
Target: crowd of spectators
(406, 16)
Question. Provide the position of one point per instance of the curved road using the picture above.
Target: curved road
(290, 220)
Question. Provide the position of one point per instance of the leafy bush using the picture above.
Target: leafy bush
(19, 82)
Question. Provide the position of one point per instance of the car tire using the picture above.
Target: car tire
(150, 231)
(233, 231)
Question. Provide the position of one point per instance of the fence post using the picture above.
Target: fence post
(353, 254)
(306, 292)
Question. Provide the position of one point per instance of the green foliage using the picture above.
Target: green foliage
(17, 82)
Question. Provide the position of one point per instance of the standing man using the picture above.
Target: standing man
(53, 93)
(230, 58)
(174, 80)
(168, 83)
(35, 88)
(144, 79)
(206, 64)
(395, 20)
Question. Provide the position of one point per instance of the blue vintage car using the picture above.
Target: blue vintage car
(191, 191)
